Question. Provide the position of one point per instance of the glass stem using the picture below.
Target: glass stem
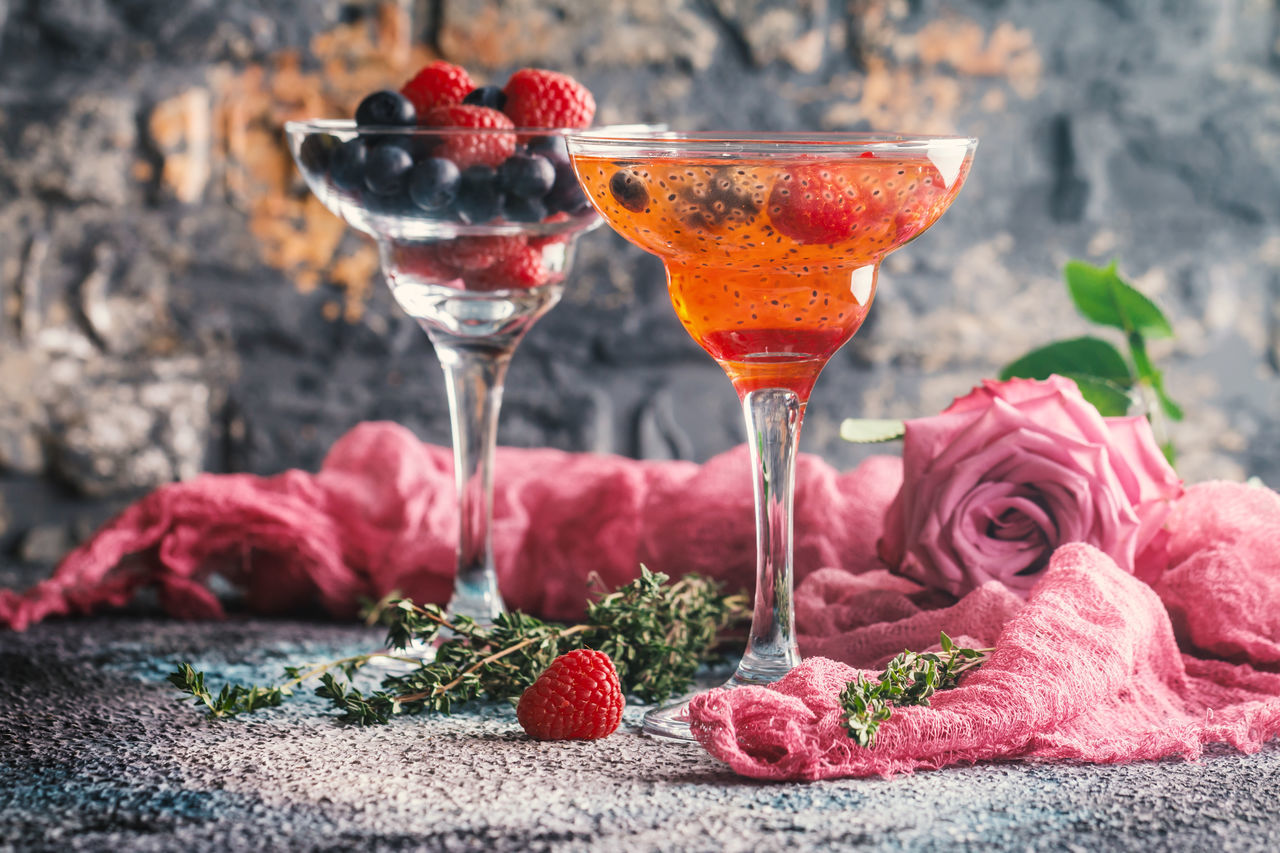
(474, 376)
(773, 417)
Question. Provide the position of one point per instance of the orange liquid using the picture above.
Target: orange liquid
(769, 293)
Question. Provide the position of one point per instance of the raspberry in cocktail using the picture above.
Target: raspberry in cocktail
(772, 245)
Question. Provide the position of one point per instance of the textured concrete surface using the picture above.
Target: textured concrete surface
(96, 754)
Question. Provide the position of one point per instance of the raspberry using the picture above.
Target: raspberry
(814, 204)
(548, 240)
(470, 149)
(537, 98)
(519, 270)
(551, 240)
(440, 84)
(544, 240)
(422, 260)
(577, 698)
(472, 254)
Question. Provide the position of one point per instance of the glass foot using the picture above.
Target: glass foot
(672, 721)
(425, 652)
(391, 662)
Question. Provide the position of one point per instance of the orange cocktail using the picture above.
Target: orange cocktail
(772, 245)
(771, 261)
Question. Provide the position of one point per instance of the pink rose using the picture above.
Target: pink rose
(994, 484)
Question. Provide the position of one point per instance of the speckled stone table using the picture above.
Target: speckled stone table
(97, 754)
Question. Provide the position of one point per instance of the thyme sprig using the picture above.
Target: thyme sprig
(657, 634)
(910, 678)
(234, 699)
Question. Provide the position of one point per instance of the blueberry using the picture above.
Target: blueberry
(393, 204)
(552, 147)
(346, 165)
(565, 194)
(518, 209)
(486, 96)
(386, 109)
(386, 169)
(526, 175)
(433, 183)
(629, 190)
(316, 151)
(419, 146)
(728, 196)
(478, 197)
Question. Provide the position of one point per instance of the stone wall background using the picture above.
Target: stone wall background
(171, 301)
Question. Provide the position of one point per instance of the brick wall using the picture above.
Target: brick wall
(172, 301)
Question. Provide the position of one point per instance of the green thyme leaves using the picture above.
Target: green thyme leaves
(657, 632)
(909, 679)
(231, 700)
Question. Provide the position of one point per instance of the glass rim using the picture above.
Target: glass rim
(613, 141)
(348, 126)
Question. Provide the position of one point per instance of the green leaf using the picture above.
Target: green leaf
(1103, 297)
(1111, 400)
(1095, 365)
(1086, 356)
(871, 430)
(1148, 373)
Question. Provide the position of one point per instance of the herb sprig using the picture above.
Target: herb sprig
(909, 679)
(657, 634)
(233, 699)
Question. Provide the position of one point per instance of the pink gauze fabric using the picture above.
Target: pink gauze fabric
(381, 516)
(1087, 669)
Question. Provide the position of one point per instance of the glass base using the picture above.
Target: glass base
(671, 721)
(475, 594)
(423, 652)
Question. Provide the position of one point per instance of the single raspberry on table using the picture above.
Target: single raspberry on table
(440, 84)
(816, 204)
(517, 270)
(577, 698)
(538, 98)
(470, 149)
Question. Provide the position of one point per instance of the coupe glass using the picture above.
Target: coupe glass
(772, 245)
(475, 268)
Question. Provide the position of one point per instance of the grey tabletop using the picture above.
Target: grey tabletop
(97, 753)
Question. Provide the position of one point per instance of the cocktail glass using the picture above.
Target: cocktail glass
(772, 245)
(474, 266)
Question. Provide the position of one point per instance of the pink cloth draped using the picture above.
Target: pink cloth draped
(381, 516)
(1096, 665)
(1088, 668)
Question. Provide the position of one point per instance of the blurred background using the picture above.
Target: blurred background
(172, 301)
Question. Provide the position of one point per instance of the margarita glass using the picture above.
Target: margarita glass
(772, 245)
(476, 269)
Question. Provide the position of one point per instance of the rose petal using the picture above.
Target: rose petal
(1013, 391)
(1013, 469)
